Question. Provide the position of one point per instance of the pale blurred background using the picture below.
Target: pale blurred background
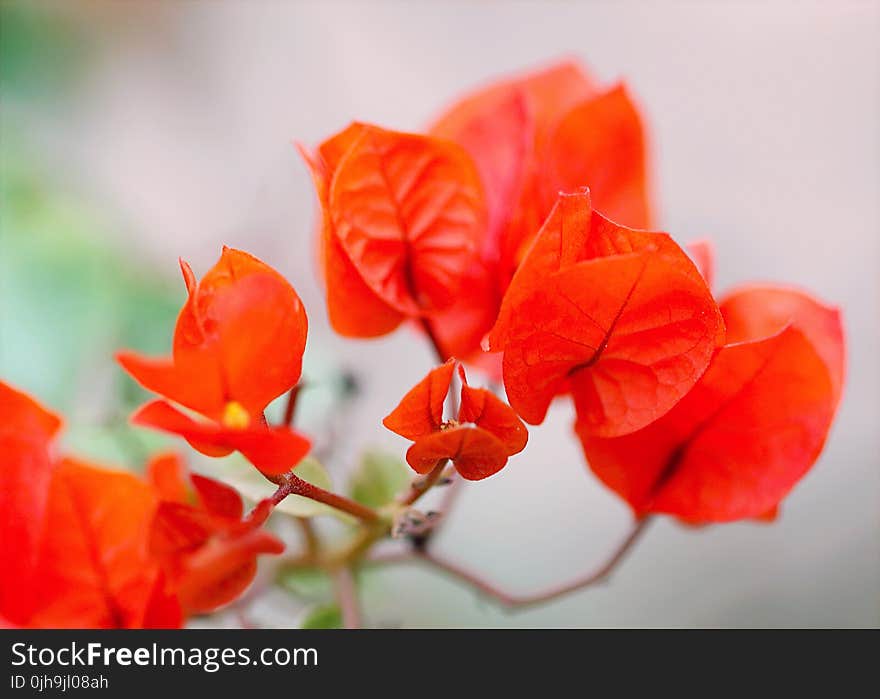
(135, 132)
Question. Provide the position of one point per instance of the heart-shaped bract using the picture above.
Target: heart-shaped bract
(531, 137)
(751, 427)
(238, 345)
(403, 219)
(620, 318)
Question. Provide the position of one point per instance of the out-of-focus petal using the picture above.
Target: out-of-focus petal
(218, 498)
(499, 135)
(168, 475)
(702, 252)
(600, 144)
(735, 445)
(94, 569)
(217, 574)
(27, 431)
(757, 311)
(460, 328)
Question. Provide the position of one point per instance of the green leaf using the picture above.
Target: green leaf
(378, 479)
(326, 616)
(252, 485)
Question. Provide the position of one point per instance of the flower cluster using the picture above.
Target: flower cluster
(81, 537)
(708, 411)
(514, 232)
(96, 547)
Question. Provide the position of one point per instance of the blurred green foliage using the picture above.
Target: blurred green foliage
(69, 299)
(378, 479)
(327, 616)
(41, 49)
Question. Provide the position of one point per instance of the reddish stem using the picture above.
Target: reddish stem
(347, 597)
(291, 484)
(422, 485)
(514, 601)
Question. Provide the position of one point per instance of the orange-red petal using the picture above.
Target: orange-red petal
(460, 328)
(475, 452)
(210, 559)
(273, 450)
(757, 311)
(168, 476)
(499, 135)
(621, 317)
(95, 571)
(600, 144)
(736, 444)
(629, 334)
(702, 252)
(485, 410)
(27, 430)
(192, 381)
(558, 244)
(420, 411)
(218, 498)
(239, 337)
(353, 307)
(409, 212)
(217, 574)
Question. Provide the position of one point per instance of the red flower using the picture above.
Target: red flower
(238, 345)
(403, 220)
(75, 535)
(95, 570)
(478, 442)
(97, 548)
(750, 429)
(207, 551)
(619, 318)
(532, 137)
(27, 431)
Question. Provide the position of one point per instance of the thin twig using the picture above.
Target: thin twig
(347, 598)
(310, 536)
(422, 485)
(291, 484)
(514, 601)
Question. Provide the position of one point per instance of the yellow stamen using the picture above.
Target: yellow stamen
(235, 417)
